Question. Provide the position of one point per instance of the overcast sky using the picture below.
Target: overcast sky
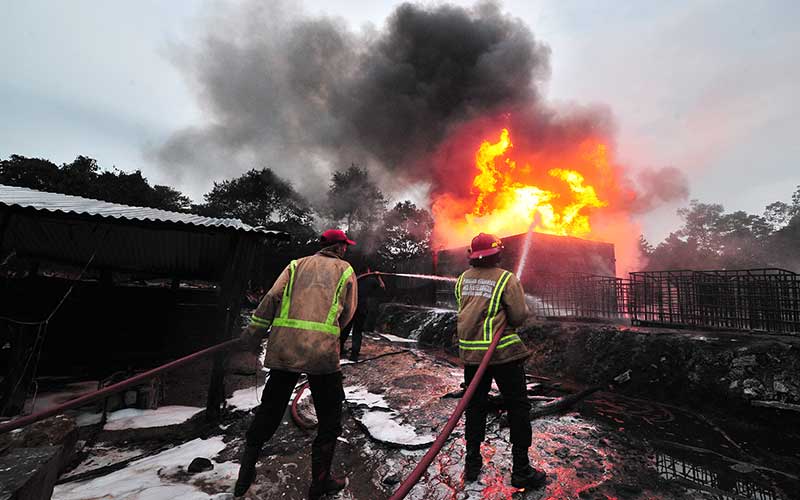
(710, 87)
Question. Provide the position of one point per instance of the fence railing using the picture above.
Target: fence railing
(753, 299)
(765, 300)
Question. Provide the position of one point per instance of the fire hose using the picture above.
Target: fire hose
(111, 389)
(306, 425)
(438, 444)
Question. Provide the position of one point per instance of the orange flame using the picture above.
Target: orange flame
(508, 199)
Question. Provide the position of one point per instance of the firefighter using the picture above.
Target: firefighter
(368, 289)
(490, 298)
(304, 311)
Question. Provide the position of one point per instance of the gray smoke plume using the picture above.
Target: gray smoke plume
(657, 186)
(308, 95)
(305, 95)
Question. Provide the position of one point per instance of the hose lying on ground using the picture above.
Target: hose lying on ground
(305, 424)
(437, 445)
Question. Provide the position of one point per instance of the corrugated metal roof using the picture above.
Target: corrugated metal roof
(13, 196)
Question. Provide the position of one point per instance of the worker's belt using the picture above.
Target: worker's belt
(483, 345)
(329, 326)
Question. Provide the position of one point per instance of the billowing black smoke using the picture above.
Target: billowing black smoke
(436, 67)
(305, 96)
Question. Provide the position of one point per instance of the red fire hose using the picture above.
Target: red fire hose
(437, 445)
(111, 389)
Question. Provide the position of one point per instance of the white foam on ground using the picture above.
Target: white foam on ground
(246, 399)
(395, 338)
(101, 456)
(383, 426)
(149, 478)
(84, 419)
(360, 395)
(134, 418)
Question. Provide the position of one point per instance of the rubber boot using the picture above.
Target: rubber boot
(353, 355)
(247, 471)
(472, 463)
(322, 481)
(522, 474)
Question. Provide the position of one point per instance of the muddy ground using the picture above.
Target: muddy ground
(607, 446)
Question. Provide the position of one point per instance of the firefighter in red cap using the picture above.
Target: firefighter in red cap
(304, 311)
(490, 298)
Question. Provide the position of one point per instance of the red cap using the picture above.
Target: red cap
(484, 245)
(335, 236)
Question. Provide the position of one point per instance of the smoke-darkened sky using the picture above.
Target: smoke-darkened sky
(707, 88)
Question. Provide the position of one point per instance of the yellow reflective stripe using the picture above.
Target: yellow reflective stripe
(474, 345)
(458, 289)
(255, 320)
(335, 304)
(286, 302)
(300, 324)
(494, 305)
(504, 344)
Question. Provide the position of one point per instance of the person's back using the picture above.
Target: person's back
(304, 311)
(490, 299)
(306, 339)
(491, 302)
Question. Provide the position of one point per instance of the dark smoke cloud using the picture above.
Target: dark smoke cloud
(304, 95)
(308, 95)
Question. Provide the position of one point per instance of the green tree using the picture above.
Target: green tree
(261, 198)
(355, 200)
(84, 177)
(33, 173)
(405, 233)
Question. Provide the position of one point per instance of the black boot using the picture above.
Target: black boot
(472, 463)
(523, 475)
(247, 471)
(322, 481)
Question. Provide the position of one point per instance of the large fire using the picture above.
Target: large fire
(564, 192)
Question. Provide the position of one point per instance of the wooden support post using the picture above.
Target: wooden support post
(232, 289)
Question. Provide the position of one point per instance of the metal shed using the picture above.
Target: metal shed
(103, 240)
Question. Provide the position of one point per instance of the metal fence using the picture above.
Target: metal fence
(579, 296)
(766, 300)
(753, 299)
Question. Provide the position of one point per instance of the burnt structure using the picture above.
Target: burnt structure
(98, 291)
(550, 263)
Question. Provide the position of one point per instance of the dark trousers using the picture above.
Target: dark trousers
(510, 378)
(327, 392)
(357, 327)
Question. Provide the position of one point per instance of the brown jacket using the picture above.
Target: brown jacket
(306, 314)
(488, 300)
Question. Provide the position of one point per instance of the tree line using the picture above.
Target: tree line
(709, 237)
(258, 197)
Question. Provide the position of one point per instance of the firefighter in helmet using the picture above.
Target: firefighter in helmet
(490, 298)
(304, 311)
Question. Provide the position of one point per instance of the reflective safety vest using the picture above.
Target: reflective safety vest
(493, 308)
(282, 319)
